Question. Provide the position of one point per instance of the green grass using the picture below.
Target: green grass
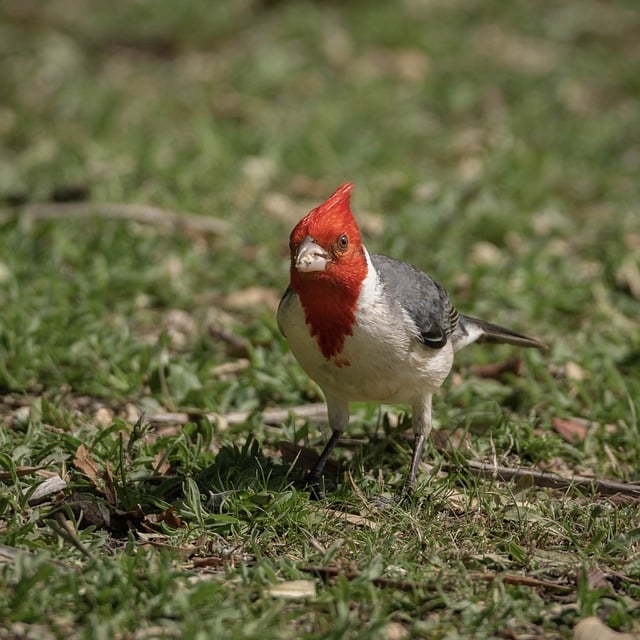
(494, 145)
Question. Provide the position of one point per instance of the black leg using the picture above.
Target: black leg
(315, 475)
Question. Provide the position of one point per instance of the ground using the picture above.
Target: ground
(153, 159)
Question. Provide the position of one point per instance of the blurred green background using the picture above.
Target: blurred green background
(495, 145)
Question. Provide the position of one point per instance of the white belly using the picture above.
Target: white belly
(379, 361)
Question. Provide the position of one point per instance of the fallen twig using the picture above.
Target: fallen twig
(272, 416)
(327, 573)
(18, 472)
(523, 581)
(9, 554)
(119, 211)
(237, 347)
(551, 480)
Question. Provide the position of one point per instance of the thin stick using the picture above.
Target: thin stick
(551, 480)
(9, 554)
(410, 585)
(119, 211)
(272, 416)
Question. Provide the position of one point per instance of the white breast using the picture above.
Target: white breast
(382, 361)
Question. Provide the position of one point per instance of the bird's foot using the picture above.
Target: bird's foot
(406, 495)
(315, 487)
(404, 498)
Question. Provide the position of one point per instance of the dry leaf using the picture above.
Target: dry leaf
(83, 461)
(628, 277)
(180, 327)
(459, 503)
(395, 631)
(632, 241)
(252, 297)
(228, 370)
(103, 483)
(373, 224)
(168, 516)
(259, 172)
(408, 65)
(594, 629)
(597, 579)
(352, 518)
(104, 417)
(30, 630)
(109, 485)
(49, 487)
(283, 208)
(293, 590)
(161, 464)
(573, 430)
(5, 272)
(306, 187)
(574, 371)
(485, 253)
(513, 51)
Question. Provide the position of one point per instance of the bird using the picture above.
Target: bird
(370, 328)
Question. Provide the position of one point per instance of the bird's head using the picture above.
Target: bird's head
(326, 246)
(328, 267)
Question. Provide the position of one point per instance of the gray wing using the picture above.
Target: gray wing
(426, 301)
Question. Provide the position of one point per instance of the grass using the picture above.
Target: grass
(495, 146)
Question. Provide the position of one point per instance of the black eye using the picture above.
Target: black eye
(343, 242)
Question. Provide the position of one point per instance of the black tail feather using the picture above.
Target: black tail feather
(493, 333)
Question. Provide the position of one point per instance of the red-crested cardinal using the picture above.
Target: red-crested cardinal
(367, 327)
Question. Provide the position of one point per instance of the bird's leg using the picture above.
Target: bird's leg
(315, 475)
(421, 429)
(418, 447)
(338, 413)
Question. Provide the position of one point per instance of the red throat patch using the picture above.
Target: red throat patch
(331, 316)
(329, 298)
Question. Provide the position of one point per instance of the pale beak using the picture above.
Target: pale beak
(311, 256)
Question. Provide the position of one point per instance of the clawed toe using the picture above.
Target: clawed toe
(315, 487)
